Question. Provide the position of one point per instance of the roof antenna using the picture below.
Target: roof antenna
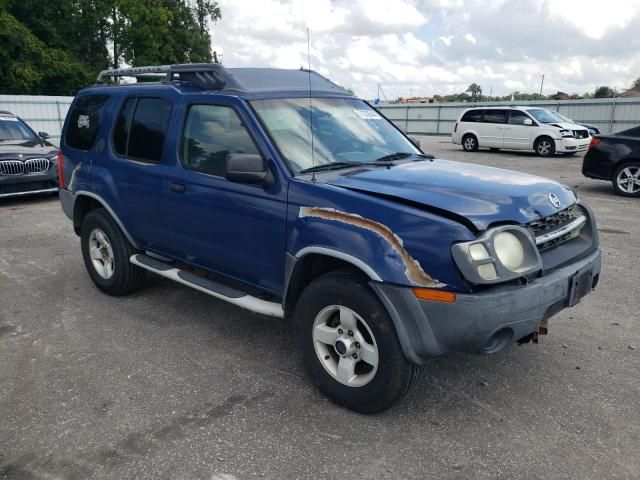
(313, 173)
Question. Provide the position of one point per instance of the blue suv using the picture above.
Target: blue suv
(281, 193)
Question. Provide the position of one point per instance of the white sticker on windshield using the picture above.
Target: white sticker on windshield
(83, 121)
(9, 119)
(367, 114)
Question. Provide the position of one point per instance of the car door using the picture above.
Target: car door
(131, 172)
(517, 135)
(235, 229)
(491, 129)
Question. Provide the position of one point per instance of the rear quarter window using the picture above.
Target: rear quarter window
(472, 116)
(85, 119)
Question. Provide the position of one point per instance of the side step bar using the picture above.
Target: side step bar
(217, 290)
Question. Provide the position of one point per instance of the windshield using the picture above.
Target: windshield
(344, 130)
(544, 116)
(12, 128)
(563, 118)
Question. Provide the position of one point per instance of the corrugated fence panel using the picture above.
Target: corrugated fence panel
(46, 114)
(608, 114)
(42, 113)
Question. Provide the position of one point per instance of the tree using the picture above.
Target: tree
(76, 39)
(636, 85)
(604, 92)
(27, 65)
(476, 92)
(161, 32)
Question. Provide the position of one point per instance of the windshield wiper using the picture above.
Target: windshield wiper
(401, 155)
(331, 166)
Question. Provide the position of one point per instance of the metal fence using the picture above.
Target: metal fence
(608, 114)
(46, 114)
(42, 113)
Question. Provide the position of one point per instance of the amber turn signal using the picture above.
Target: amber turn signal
(434, 295)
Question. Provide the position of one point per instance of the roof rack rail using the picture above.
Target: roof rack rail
(208, 76)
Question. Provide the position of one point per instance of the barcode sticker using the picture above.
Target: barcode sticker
(368, 114)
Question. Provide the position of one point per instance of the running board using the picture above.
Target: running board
(215, 289)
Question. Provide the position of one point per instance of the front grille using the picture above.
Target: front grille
(11, 167)
(36, 165)
(17, 167)
(581, 133)
(557, 223)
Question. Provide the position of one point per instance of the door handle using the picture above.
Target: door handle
(176, 187)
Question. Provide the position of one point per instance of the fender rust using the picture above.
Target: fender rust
(413, 270)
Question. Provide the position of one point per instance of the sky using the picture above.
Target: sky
(427, 47)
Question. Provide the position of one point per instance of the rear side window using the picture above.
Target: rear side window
(495, 116)
(85, 118)
(472, 116)
(517, 117)
(141, 128)
(211, 132)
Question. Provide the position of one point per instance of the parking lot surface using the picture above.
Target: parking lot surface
(170, 383)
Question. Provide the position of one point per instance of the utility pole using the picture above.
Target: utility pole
(541, 84)
(490, 93)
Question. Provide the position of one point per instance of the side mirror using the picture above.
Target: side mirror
(247, 168)
(43, 135)
(528, 122)
(415, 141)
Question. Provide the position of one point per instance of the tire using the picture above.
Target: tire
(469, 143)
(545, 147)
(626, 179)
(339, 307)
(106, 252)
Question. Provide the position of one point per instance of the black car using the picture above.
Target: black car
(28, 162)
(593, 130)
(616, 158)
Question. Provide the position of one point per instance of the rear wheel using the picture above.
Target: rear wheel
(545, 147)
(626, 180)
(106, 252)
(349, 344)
(470, 142)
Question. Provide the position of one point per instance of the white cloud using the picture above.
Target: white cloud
(439, 46)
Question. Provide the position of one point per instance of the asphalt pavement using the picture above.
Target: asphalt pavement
(169, 383)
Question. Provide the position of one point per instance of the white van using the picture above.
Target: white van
(519, 128)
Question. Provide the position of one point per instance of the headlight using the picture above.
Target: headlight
(509, 250)
(566, 133)
(498, 255)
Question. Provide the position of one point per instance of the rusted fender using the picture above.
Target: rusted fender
(387, 242)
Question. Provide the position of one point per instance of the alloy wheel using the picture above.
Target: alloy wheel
(345, 346)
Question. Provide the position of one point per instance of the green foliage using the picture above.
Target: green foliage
(27, 65)
(604, 92)
(476, 92)
(636, 84)
(61, 45)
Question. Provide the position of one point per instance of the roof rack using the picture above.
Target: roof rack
(209, 76)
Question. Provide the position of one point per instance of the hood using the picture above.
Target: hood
(482, 195)
(566, 125)
(26, 148)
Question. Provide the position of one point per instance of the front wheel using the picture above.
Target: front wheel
(349, 344)
(545, 147)
(626, 180)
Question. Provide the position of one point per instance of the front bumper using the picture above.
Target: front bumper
(29, 183)
(484, 322)
(570, 144)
